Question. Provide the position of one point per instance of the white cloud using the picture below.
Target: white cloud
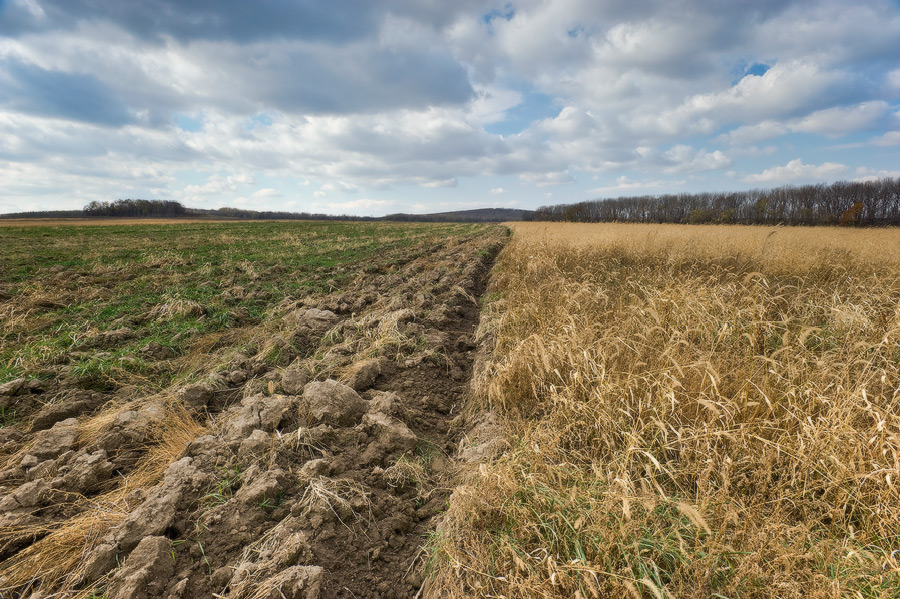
(492, 102)
(267, 192)
(893, 79)
(337, 186)
(625, 185)
(218, 184)
(796, 170)
(682, 158)
(750, 134)
(547, 179)
(497, 191)
(361, 204)
(841, 120)
(783, 90)
(866, 174)
(891, 138)
(451, 182)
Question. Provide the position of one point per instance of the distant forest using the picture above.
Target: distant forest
(135, 208)
(870, 203)
(168, 209)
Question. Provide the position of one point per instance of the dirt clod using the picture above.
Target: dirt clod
(196, 396)
(13, 387)
(146, 571)
(293, 379)
(56, 440)
(362, 375)
(330, 402)
(256, 412)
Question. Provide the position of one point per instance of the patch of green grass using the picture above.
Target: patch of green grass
(270, 503)
(69, 283)
(225, 485)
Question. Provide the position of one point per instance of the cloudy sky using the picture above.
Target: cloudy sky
(367, 107)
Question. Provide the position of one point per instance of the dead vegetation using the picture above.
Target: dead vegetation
(692, 412)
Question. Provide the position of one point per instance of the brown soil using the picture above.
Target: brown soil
(282, 489)
(372, 549)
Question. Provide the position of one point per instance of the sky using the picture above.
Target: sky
(371, 107)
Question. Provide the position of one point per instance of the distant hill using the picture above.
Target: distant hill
(480, 215)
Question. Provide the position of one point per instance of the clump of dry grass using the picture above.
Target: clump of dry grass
(175, 305)
(409, 471)
(57, 560)
(345, 498)
(697, 412)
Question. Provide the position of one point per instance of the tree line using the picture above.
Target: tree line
(172, 209)
(861, 203)
(135, 208)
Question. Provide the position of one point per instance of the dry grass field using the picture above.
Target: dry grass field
(690, 412)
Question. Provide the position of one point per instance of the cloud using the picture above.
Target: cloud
(340, 186)
(750, 134)
(625, 185)
(864, 174)
(547, 179)
(75, 96)
(796, 170)
(358, 78)
(834, 122)
(218, 184)
(158, 20)
(267, 192)
(683, 158)
(841, 120)
(497, 191)
(891, 138)
(786, 90)
(421, 97)
(451, 182)
(361, 205)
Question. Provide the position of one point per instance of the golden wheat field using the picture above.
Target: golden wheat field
(691, 411)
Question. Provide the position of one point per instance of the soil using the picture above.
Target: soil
(319, 479)
(372, 549)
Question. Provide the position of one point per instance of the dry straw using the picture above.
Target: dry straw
(57, 560)
(697, 412)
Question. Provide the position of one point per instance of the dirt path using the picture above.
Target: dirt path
(372, 490)
(380, 556)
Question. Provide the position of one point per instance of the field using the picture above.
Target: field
(171, 421)
(689, 412)
(317, 410)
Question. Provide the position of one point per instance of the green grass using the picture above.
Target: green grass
(174, 283)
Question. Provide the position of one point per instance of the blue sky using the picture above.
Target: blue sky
(366, 107)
